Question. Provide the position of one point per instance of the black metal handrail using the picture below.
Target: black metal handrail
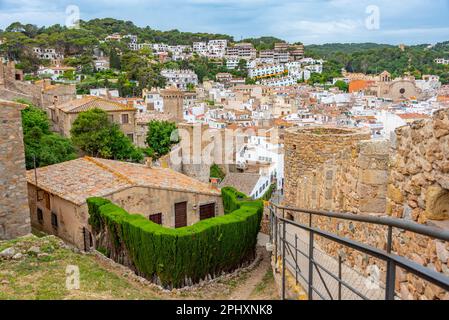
(386, 221)
(392, 260)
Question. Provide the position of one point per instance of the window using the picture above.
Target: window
(131, 136)
(40, 215)
(156, 218)
(111, 118)
(54, 220)
(125, 118)
(47, 200)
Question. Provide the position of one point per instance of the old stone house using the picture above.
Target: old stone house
(63, 115)
(142, 121)
(58, 193)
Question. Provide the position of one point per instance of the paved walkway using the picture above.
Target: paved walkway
(326, 285)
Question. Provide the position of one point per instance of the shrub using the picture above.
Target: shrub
(175, 256)
(216, 172)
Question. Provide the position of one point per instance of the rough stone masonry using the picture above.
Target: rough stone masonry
(14, 210)
(408, 178)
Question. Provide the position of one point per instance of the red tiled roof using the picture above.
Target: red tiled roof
(91, 102)
(406, 116)
(79, 179)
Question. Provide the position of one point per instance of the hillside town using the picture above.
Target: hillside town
(142, 126)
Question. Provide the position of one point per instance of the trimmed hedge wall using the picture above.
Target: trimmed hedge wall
(177, 257)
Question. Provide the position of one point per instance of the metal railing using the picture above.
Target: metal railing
(326, 277)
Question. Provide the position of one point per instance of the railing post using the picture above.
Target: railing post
(339, 276)
(310, 291)
(310, 265)
(283, 259)
(276, 238)
(391, 269)
(296, 258)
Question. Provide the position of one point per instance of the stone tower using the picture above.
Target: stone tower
(173, 103)
(14, 210)
(311, 164)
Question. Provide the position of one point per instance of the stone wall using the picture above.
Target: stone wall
(406, 178)
(315, 160)
(41, 93)
(14, 211)
(418, 188)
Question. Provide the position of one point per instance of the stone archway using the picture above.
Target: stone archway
(437, 203)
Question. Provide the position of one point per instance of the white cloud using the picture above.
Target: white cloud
(294, 20)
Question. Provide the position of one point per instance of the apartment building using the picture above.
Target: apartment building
(242, 51)
(48, 54)
(266, 71)
(279, 82)
(180, 78)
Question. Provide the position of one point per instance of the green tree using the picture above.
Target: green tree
(160, 137)
(114, 59)
(217, 172)
(343, 86)
(40, 143)
(94, 134)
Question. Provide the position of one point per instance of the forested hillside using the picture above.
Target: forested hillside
(374, 58)
(78, 46)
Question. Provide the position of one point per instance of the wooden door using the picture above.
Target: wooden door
(207, 211)
(180, 214)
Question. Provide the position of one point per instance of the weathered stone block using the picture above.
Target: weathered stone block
(437, 203)
(395, 194)
(375, 177)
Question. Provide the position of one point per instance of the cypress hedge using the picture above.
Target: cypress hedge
(176, 257)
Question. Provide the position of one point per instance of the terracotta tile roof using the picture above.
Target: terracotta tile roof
(86, 177)
(90, 102)
(406, 116)
(144, 118)
(244, 182)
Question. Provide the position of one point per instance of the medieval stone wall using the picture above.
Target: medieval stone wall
(406, 178)
(14, 211)
(419, 183)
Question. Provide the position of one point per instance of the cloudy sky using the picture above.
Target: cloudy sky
(309, 21)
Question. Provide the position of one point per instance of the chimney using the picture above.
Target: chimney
(214, 182)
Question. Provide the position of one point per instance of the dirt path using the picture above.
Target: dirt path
(246, 288)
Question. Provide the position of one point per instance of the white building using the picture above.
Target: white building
(48, 54)
(200, 48)
(442, 61)
(180, 78)
(266, 71)
(104, 92)
(101, 64)
(153, 100)
(217, 48)
(159, 47)
(244, 51)
(54, 72)
(280, 82)
(232, 63)
(265, 150)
